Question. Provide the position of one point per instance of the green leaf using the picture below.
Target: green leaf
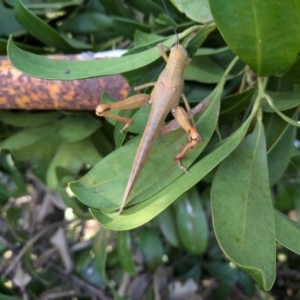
(29, 48)
(127, 27)
(225, 275)
(257, 30)
(283, 101)
(28, 119)
(143, 212)
(8, 23)
(39, 29)
(6, 297)
(166, 221)
(87, 22)
(99, 248)
(232, 105)
(77, 128)
(242, 209)
(47, 68)
(125, 252)
(280, 140)
(53, 4)
(292, 74)
(287, 231)
(191, 222)
(95, 190)
(39, 142)
(195, 10)
(286, 196)
(151, 247)
(44, 67)
(71, 156)
(142, 38)
(203, 69)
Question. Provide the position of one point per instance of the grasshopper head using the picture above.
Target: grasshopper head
(179, 49)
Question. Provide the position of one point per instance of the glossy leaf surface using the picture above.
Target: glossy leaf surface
(143, 212)
(264, 34)
(242, 209)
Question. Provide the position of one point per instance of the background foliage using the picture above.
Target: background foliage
(220, 232)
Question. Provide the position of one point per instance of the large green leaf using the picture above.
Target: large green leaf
(196, 10)
(242, 209)
(47, 68)
(105, 192)
(264, 34)
(287, 231)
(44, 67)
(143, 212)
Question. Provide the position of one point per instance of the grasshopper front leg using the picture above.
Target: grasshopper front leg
(194, 137)
(132, 102)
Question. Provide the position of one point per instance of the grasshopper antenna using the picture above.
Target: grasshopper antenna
(172, 22)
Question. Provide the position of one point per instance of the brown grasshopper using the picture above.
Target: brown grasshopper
(164, 98)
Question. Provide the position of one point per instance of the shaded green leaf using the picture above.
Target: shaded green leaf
(191, 222)
(232, 105)
(203, 69)
(100, 244)
(166, 221)
(77, 128)
(127, 27)
(283, 101)
(39, 143)
(8, 23)
(39, 29)
(151, 247)
(7, 297)
(28, 119)
(287, 231)
(29, 48)
(71, 156)
(87, 22)
(125, 252)
(280, 138)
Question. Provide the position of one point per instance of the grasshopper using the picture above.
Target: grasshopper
(164, 98)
